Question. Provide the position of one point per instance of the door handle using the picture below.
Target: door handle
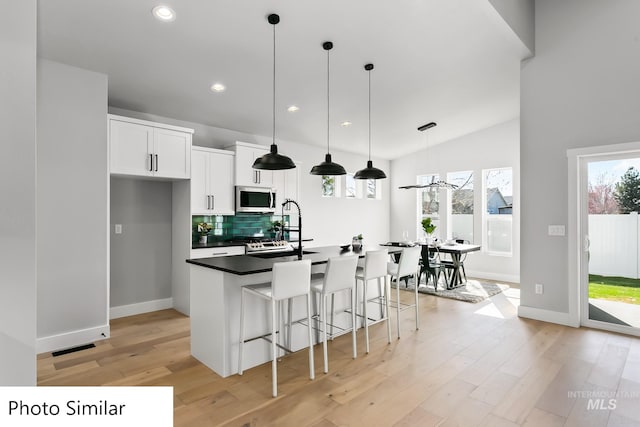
(156, 163)
(208, 203)
(150, 162)
(213, 202)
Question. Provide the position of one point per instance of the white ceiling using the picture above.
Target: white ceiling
(454, 62)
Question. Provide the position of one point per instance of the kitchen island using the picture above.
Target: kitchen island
(215, 305)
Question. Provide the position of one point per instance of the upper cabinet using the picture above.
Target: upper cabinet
(212, 181)
(246, 154)
(143, 148)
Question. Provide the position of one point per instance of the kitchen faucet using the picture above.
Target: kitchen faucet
(286, 202)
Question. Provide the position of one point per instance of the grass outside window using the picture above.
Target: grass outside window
(620, 289)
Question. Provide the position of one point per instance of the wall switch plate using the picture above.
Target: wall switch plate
(556, 230)
(539, 289)
(118, 228)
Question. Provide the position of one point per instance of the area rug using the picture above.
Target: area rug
(473, 291)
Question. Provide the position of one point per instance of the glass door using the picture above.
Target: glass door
(610, 282)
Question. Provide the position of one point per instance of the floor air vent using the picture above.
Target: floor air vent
(73, 350)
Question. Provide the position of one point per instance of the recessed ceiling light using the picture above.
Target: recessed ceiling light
(164, 13)
(218, 87)
(346, 123)
(293, 109)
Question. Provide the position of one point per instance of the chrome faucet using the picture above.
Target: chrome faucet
(286, 202)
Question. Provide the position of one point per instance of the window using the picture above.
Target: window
(462, 205)
(351, 189)
(428, 202)
(372, 189)
(498, 201)
(328, 186)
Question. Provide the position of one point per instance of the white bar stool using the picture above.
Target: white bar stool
(339, 276)
(408, 265)
(290, 279)
(375, 267)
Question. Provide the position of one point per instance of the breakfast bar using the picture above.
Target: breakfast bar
(215, 305)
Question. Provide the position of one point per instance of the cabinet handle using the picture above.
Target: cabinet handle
(213, 202)
(259, 177)
(219, 253)
(150, 162)
(208, 203)
(156, 163)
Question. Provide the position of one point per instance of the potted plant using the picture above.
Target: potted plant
(204, 229)
(277, 229)
(356, 242)
(429, 227)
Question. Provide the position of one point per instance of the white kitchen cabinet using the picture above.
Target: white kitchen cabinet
(217, 252)
(246, 154)
(212, 181)
(144, 148)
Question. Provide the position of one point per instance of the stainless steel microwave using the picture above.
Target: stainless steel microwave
(255, 199)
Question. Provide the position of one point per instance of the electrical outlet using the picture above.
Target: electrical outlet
(118, 228)
(539, 289)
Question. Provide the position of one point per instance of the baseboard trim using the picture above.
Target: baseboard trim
(546, 316)
(72, 339)
(139, 308)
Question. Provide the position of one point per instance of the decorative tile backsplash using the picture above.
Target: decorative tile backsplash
(228, 227)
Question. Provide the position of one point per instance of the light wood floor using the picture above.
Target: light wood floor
(468, 365)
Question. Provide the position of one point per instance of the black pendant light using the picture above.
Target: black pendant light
(433, 184)
(273, 160)
(328, 167)
(369, 172)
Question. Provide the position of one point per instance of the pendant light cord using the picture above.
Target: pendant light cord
(274, 85)
(369, 114)
(328, 101)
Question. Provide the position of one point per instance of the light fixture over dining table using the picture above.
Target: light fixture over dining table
(434, 183)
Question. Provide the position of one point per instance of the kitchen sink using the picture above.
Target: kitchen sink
(266, 255)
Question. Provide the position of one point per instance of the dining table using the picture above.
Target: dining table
(455, 251)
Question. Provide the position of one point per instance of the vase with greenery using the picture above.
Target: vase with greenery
(356, 242)
(204, 229)
(429, 227)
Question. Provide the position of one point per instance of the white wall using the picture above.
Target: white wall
(328, 221)
(580, 90)
(141, 255)
(17, 193)
(519, 15)
(495, 147)
(72, 194)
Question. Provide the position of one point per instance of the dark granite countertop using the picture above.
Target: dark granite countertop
(251, 264)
